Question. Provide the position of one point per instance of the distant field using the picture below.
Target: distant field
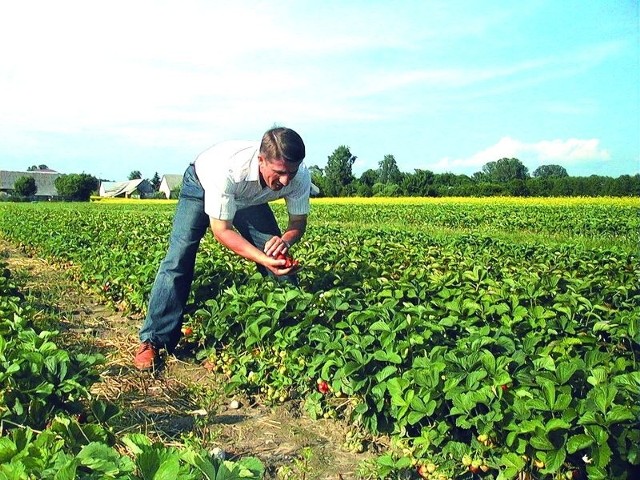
(600, 220)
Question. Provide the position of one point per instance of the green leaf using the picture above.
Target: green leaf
(380, 326)
(619, 414)
(403, 462)
(203, 461)
(385, 373)
(595, 472)
(396, 387)
(99, 457)
(549, 391)
(601, 455)
(598, 376)
(557, 424)
(565, 371)
(603, 397)
(537, 404)
(253, 464)
(562, 402)
(473, 379)
(386, 460)
(168, 469)
(544, 363)
(554, 460)
(68, 471)
(7, 449)
(414, 417)
(148, 462)
(136, 442)
(579, 442)
(513, 464)
(541, 442)
(383, 356)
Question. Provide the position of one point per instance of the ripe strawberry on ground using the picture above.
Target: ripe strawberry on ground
(323, 387)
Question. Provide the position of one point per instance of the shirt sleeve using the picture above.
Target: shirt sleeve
(219, 199)
(298, 200)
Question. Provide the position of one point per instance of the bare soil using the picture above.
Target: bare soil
(182, 400)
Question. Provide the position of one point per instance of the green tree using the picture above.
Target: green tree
(505, 170)
(450, 184)
(386, 190)
(365, 183)
(338, 172)
(76, 187)
(546, 171)
(388, 171)
(155, 181)
(25, 186)
(35, 168)
(419, 184)
(175, 193)
(317, 178)
(369, 177)
(134, 175)
(626, 185)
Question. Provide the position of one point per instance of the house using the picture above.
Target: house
(138, 188)
(169, 183)
(45, 182)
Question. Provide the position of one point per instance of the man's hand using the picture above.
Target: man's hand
(278, 266)
(275, 246)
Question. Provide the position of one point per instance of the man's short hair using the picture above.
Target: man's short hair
(282, 142)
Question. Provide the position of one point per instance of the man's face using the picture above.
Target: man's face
(277, 173)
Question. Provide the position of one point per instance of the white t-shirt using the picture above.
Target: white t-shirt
(229, 175)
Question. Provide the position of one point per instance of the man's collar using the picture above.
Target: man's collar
(254, 168)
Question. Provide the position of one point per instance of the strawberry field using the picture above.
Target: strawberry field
(491, 339)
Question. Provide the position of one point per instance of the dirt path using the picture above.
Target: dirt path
(183, 400)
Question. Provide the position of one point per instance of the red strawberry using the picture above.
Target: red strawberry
(323, 387)
(289, 261)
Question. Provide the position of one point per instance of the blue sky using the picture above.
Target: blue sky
(110, 87)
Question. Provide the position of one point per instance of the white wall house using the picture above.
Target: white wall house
(138, 188)
(168, 183)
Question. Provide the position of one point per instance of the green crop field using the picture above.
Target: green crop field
(489, 338)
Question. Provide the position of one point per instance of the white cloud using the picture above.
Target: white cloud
(562, 152)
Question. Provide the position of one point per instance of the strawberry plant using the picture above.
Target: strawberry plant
(42, 385)
(38, 378)
(491, 341)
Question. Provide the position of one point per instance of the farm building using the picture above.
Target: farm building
(45, 182)
(138, 188)
(168, 183)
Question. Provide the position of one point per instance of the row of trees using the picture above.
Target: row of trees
(507, 176)
(73, 187)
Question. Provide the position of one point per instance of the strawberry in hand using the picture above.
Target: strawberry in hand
(290, 262)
